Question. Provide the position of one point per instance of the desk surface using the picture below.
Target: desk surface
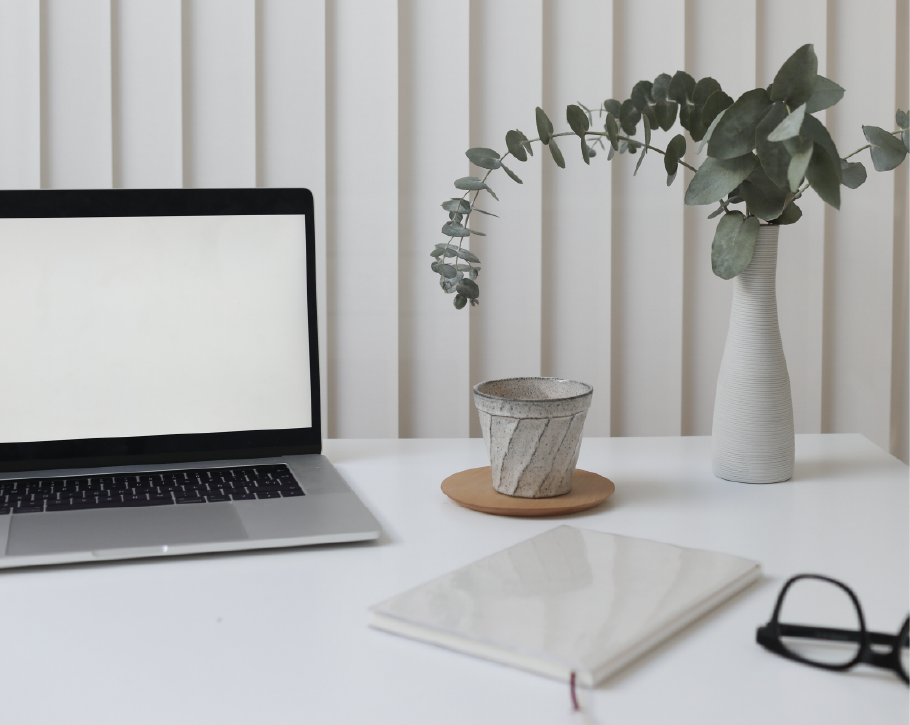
(282, 636)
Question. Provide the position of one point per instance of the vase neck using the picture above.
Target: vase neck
(760, 276)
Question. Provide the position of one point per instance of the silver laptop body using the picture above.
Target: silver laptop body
(159, 380)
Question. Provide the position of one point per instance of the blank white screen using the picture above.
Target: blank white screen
(136, 326)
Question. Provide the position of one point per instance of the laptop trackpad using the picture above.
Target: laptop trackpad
(60, 532)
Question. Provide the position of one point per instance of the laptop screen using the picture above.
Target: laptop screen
(157, 335)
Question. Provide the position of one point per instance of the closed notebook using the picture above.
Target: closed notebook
(568, 600)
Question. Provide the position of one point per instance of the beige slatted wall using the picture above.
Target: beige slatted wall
(589, 273)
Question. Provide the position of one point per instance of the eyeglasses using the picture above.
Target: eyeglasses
(810, 596)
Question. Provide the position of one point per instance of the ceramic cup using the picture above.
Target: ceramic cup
(532, 427)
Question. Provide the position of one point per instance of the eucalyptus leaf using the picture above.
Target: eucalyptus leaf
(454, 229)
(484, 158)
(481, 211)
(799, 162)
(468, 288)
(612, 130)
(610, 153)
(795, 81)
(526, 143)
(823, 173)
(460, 301)
(735, 134)
(681, 88)
(703, 90)
(715, 178)
(647, 125)
(578, 120)
(717, 212)
(733, 245)
(814, 130)
(516, 145)
(474, 231)
(710, 132)
(556, 154)
(671, 178)
(902, 118)
(467, 256)
(854, 174)
(825, 94)
(790, 126)
(469, 183)
(612, 106)
(629, 116)
(791, 214)
(448, 285)
(676, 149)
(644, 152)
(455, 216)
(763, 197)
(464, 267)
(457, 205)
(512, 175)
(585, 152)
(544, 126)
(660, 87)
(447, 271)
(717, 102)
(641, 95)
(887, 151)
(774, 156)
(666, 114)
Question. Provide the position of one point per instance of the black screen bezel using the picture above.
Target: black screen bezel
(139, 450)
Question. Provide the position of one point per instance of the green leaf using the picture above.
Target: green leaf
(717, 102)
(666, 114)
(578, 120)
(485, 212)
(629, 116)
(468, 288)
(703, 90)
(660, 87)
(676, 149)
(815, 131)
(484, 158)
(644, 149)
(735, 134)
(763, 197)
(641, 95)
(457, 205)
(710, 132)
(460, 302)
(544, 127)
(681, 88)
(825, 94)
(557, 154)
(516, 145)
(612, 130)
(800, 156)
(585, 152)
(512, 175)
(647, 125)
(854, 174)
(887, 151)
(824, 176)
(903, 122)
(791, 214)
(467, 256)
(733, 245)
(774, 156)
(796, 78)
(454, 229)
(789, 127)
(715, 178)
(612, 106)
(473, 231)
(671, 178)
(717, 212)
(526, 144)
(469, 183)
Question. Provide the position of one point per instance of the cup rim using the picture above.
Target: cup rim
(590, 389)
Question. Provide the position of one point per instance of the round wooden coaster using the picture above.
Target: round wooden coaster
(474, 489)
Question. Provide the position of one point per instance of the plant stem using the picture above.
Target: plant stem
(869, 145)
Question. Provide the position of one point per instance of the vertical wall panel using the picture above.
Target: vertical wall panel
(578, 66)
(785, 26)
(291, 121)
(860, 237)
(647, 238)
(148, 107)
(76, 111)
(506, 86)
(220, 102)
(729, 58)
(363, 219)
(435, 399)
(20, 89)
(900, 345)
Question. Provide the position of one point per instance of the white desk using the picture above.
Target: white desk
(281, 637)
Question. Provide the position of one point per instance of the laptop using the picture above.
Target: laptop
(159, 377)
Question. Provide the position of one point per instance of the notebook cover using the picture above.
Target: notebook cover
(568, 600)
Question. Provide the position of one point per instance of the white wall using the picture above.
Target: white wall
(589, 273)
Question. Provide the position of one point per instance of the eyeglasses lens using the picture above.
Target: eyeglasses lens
(822, 608)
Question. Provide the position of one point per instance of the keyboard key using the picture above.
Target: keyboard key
(4, 510)
(198, 499)
(147, 502)
(288, 492)
(28, 510)
(240, 496)
(268, 494)
(212, 498)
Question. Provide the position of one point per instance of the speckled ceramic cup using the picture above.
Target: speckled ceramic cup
(532, 427)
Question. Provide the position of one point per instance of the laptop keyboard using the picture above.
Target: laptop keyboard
(156, 488)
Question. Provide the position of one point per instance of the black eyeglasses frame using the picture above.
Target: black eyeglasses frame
(769, 636)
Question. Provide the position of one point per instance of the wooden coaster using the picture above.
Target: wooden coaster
(474, 489)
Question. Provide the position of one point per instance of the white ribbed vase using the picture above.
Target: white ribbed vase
(752, 436)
